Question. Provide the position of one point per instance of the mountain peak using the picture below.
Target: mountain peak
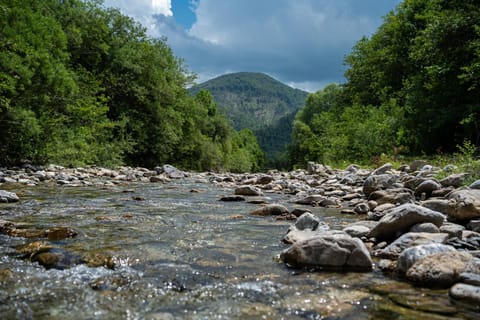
(258, 102)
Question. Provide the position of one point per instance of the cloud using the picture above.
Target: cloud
(143, 10)
(302, 42)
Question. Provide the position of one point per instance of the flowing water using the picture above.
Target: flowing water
(185, 255)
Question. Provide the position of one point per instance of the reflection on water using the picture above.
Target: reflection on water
(184, 255)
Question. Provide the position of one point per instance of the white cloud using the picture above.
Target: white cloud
(162, 7)
(301, 42)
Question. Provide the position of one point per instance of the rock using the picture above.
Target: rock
(170, 171)
(248, 191)
(453, 229)
(413, 182)
(470, 278)
(57, 259)
(313, 168)
(361, 208)
(298, 212)
(427, 187)
(264, 179)
(307, 221)
(466, 204)
(94, 260)
(60, 233)
(411, 239)
(8, 197)
(400, 219)
(474, 225)
(6, 226)
(466, 292)
(329, 251)
(356, 231)
(440, 205)
(425, 227)
(453, 180)
(475, 185)
(270, 209)
(443, 192)
(232, 198)
(306, 227)
(378, 182)
(411, 255)
(442, 269)
(159, 178)
(32, 248)
(383, 169)
(330, 202)
(393, 196)
(311, 199)
(417, 164)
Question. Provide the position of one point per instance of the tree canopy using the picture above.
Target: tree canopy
(81, 84)
(412, 87)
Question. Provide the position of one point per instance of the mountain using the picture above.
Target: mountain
(258, 102)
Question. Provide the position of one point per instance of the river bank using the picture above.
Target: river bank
(401, 222)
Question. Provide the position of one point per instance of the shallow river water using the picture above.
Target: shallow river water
(185, 255)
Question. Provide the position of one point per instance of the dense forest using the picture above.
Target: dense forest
(260, 103)
(412, 88)
(81, 85)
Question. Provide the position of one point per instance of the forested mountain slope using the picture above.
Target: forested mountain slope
(258, 102)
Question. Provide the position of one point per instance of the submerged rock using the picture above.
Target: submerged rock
(331, 251)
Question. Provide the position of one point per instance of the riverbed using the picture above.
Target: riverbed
(180, 253)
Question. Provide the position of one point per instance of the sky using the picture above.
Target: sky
(299, 42)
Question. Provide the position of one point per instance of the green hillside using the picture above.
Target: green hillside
(260, 103)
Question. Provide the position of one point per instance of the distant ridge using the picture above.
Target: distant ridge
(258, 102)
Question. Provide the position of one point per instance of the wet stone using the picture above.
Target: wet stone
(8, 197)
(270, 209)
(60, 233)
(467, 293)
(57, 259)
(232, 198)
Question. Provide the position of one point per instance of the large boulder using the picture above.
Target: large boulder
(466, 204)
(442, 269)
(400, 219)
(8, 197)
(411, 255)
(332, 251)
(378, 182)
(411, 239)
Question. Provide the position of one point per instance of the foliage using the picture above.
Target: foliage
(412, 88)
(260, 103)
(81, 85)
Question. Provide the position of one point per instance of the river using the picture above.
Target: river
(180, 253)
